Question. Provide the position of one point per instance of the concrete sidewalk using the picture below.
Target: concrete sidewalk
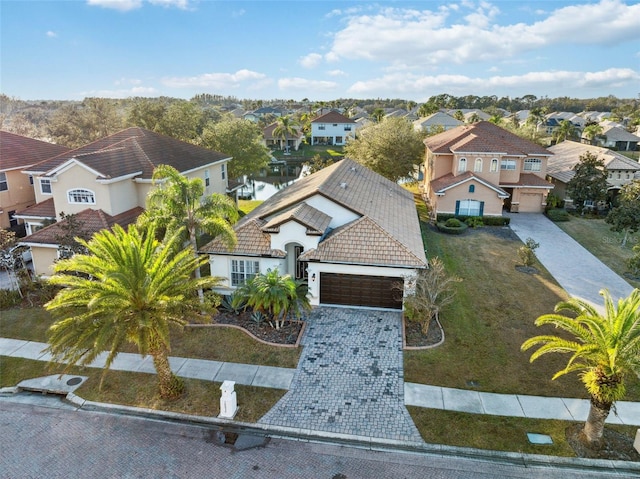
(434, 397)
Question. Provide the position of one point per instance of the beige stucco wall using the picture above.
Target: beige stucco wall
(492, 204)
(74, 177)
(19, 195)
(43, 260)
(216, 183)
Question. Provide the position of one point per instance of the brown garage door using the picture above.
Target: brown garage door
(360, 290)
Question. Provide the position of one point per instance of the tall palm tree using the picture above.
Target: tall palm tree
(178, 204)
(130, 289)
(286, 127)
(565, 131)
(604, 349)
(592, 131)
(378, 115)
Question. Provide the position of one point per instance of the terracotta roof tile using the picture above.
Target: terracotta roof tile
(529, 179)
(18, 151)
(332, 117)
(44, 209)
(252, 241)
(447, 181)
(315, 220)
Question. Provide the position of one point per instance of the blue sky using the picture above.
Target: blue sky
(320, 50)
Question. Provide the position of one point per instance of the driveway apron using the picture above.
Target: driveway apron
(350, 377)
(580, 274)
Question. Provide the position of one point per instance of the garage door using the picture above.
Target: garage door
(360, 290)
(530, 203)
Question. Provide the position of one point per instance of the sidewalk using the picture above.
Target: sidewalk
(434, 397)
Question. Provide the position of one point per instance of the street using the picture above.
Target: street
(42, 437)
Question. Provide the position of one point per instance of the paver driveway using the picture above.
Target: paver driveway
(350, 377)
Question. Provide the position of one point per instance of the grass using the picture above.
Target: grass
(201, 398)
(247, 206)
(216, 344)
(492, 315)
(596, 236)
(497, 433)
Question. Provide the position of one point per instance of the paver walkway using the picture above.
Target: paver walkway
(580, 273)
(350, 377)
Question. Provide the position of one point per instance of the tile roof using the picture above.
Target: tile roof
(483, 137)
(616, 133)
(92, 222)
(134, 150)
(439, 185)
(44, 209)
(355, 188)
(18, 151)
(315, 220)
(362, 241)
(252, 241)
(332, 117)
(528, 179)
(567, 154)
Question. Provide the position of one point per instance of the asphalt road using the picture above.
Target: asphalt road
(45, 438)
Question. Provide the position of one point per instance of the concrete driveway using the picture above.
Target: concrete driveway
(581, 274)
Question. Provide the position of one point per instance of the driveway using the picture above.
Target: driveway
(581, 274)
(350, 377)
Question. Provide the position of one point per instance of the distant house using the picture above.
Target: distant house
(273, 142)
(353, 235)
(262, 112)
(16, 190)
(481, 169)
(438, 119)
(106, 182)
(619, 139)
(332, 128)
(620, 169)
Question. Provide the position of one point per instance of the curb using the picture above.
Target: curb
(362, 442)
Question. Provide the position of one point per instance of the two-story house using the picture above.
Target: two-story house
(107, 182)
(481, 169)
(332, 128)
(16, 190)
(351, 233)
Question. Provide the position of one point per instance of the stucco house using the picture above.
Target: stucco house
(273, 142)
(106, 182)
(619, 139)
(481, 169)
(332, 128)
(352, 234)
(438, 119)
(620, 169)
(16, 189)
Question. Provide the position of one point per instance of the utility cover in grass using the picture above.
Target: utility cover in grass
(539, 438)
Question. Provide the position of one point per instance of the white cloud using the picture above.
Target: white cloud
(297, 83)
(51, 34)
(127, 5)
(181, 4)
(311, 60)
(426, 38)
(218, 80)
(337, 73)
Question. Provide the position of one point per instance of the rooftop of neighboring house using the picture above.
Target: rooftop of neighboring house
(332, 117)
(483, 137)
(134, 151)
(18, 152)
(268, 132)
(616, 133)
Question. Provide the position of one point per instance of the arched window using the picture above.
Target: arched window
(462, 165)
(81, 196)
(494, 165)
(477, 167)
(472, 188)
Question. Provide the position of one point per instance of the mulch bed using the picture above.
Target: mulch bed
(616, 446)
(288, 334)
(415, 338)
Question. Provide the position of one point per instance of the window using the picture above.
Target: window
(81, 196)
(477, 167)
(462, 165)
(532, 164)
(45, 186)
(224, 171)
(347, 128)
(241, 271)
(469, 208)
(4, 186)
(508, 165)
(207, 180)
(13, 221)
(472, 188)
(321, 127)
(494, 165)
(31, 180)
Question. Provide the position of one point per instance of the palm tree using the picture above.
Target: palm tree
(592, 131)
(378, 115)
(271, 294)
(286, 127)
(564, 131)
(604, 349)
(178, 204)
(130, 289)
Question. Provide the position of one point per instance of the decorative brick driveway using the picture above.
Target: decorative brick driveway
(350, 377)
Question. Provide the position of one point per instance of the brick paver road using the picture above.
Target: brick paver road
(51, 443)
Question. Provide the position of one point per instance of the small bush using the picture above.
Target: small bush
(233, 303)
(474, 222)
(9, 298)
(527, 252)
(486, 220)
(453, 223)
(557, 214)
(452, 230)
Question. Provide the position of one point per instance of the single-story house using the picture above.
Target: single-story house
(353, 235)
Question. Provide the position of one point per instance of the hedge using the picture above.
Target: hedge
(452, 230)
(556, 214)
(486, 220)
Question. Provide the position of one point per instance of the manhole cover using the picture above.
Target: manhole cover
(74, 381)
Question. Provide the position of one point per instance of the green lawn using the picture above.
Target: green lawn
(596, 236)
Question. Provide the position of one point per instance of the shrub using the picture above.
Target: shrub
(233, 303)
(526, 252)
(452, 230)
(9, 298)
(474, 221)
(557, 214)
(487, 220)
(634, 262)
(453, 223)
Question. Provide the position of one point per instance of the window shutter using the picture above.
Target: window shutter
(457, 207)
(481, 208)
